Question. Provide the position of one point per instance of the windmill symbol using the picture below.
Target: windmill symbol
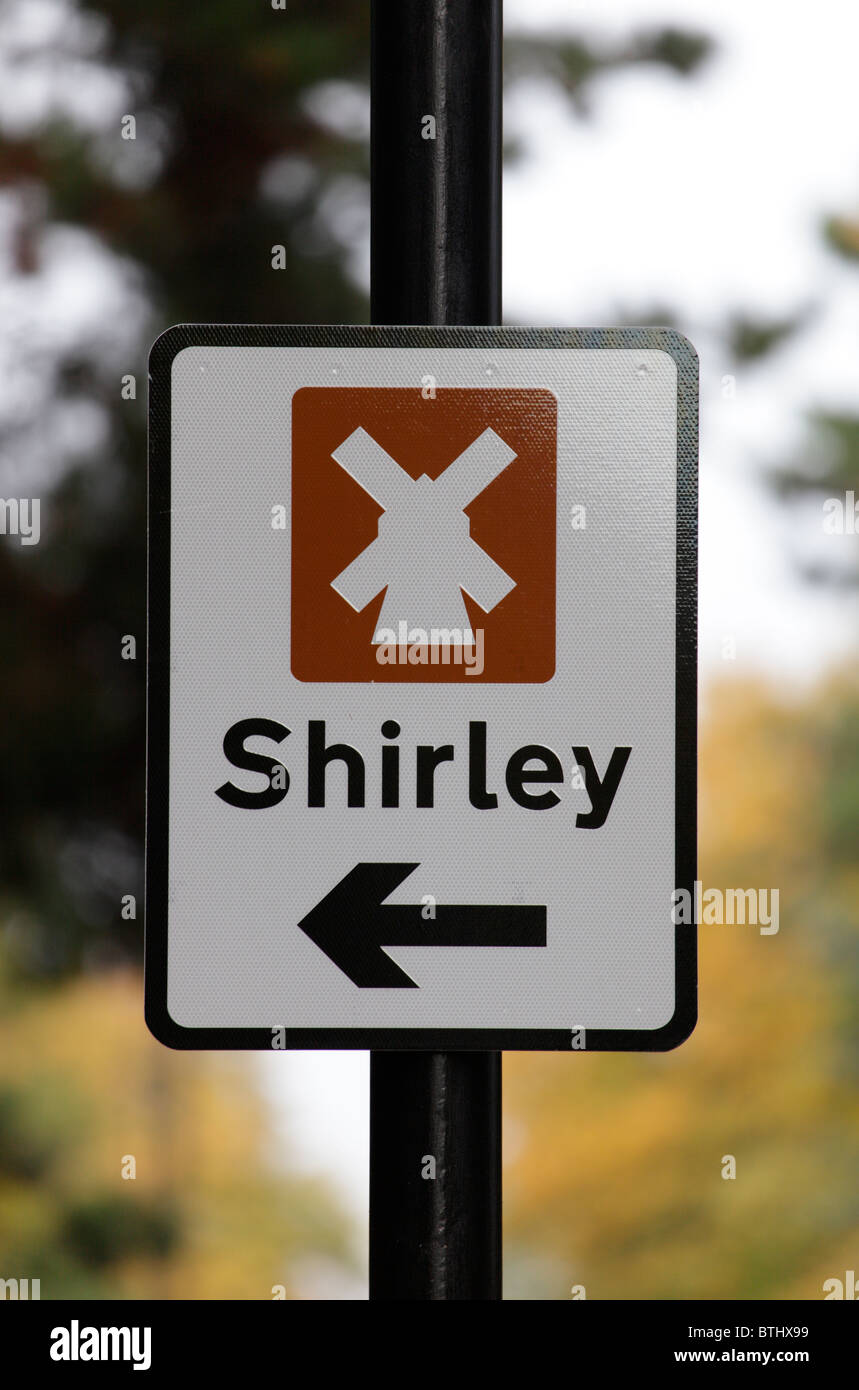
(424, 554)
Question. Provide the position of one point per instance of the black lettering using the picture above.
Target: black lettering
(239, 756)
(477, 793)
(318, 758)
(428, 760)
(390, 766)
(601, 793)
(517, 775)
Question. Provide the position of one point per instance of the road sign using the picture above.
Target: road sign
(422, 687)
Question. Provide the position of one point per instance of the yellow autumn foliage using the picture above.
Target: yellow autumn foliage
(614, 1162)
(222, 1218)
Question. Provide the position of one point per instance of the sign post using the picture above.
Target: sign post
(436, 259)
(421, 756)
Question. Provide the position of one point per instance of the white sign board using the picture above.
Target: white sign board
(421, 687)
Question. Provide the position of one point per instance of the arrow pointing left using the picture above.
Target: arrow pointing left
(353, 923)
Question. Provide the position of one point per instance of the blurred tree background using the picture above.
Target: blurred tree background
(614, 1174)
(252, 131)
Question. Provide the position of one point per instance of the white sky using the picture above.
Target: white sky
(706, 195)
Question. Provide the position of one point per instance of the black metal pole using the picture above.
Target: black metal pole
(436, 203)
(436, 259)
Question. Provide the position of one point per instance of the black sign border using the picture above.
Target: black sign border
(163, 352)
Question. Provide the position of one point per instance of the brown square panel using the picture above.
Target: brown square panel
(505, 531)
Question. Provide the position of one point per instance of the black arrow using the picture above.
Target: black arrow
(352, 923)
